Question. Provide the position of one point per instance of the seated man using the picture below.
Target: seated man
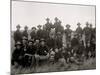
(17, 56)
(29, 54)
(42, 53)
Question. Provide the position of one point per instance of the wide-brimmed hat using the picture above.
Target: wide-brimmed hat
(18, 43)
(67, 25)
(47, 19)
(78, 23)
(18, 26)
(87, 23)
(33, 27)
(39, 26)
(56, 18)
(26, 27)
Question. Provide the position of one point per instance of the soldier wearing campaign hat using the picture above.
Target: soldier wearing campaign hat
(18, 34)
(68, 32)
(87, 33)
(33, 33)
(79, 30)
(17, 55)
(48, 25)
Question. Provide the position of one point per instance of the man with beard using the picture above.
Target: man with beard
(25, 32)
(17, 34)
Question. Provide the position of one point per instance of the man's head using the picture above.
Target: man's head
(18, 27)
(26, 28)
(56, 19)
(47, 19)
(24, 40)
(37, 41)
(42, 42)
(34, 28)
(39, 26)
(30, 42)
(87, 24)
(18, 45)
(78, 24)
(67, 26)
(90, 25)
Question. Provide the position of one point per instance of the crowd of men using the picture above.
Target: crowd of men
(46, 44)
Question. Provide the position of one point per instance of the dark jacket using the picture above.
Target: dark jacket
(25, 33)
(43, 50)
(17, 36)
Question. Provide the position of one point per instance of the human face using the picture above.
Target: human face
(18, 47)
(30, 43)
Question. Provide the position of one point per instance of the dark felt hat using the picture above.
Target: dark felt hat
(56, 18)
(67, 25)
(18, 43)
(26, 27)
(18, 26)
(33, 27)
(87, 23)
(39, 26)
(47, 19)
(78, 23)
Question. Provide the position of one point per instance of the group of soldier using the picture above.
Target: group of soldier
(45, 44)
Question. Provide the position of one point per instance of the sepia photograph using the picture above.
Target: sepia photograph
(52, 37)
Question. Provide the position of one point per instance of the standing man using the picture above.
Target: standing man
(48, 25)
(39, 32)
(33, 33)
(68, 32)
(79, 30)
(87, 33)
(17, 34)
(25, 32)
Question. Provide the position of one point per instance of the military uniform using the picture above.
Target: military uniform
(25, 33)
(68, 35)
(33, 35)
(17, 36)
(51, 43)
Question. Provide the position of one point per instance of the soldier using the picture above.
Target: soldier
(56, 22)
(87, 33)
(17, 55)
(45, 33)
(79, 30)
(29, 54)
(59, 40)
(59, 27)
(17, 34)
(39, 32)
(68, 32)
(48, 25)
(43, 52)
(33, 33)
(25, 32)
(51, 42)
